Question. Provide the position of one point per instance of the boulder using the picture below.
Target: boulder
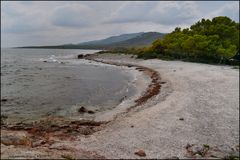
(82, 110)
(90, 112)
(140, 153)
(80, 56)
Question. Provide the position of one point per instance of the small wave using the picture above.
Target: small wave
(50, 59)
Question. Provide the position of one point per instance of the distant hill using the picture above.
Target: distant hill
(140, 39)
(113, 39)
(144, 39)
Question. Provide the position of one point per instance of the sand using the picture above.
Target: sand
(198, 105)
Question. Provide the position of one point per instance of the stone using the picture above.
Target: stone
(4, 100)
(140, 153)
(198, 156)
(181, 119)
(90, 112)
(38, 143)
(80, 56)
(82, 110)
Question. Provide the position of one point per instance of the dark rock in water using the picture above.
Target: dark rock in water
(90, 112)
(132, 126)
(140, 153)
(82, 110)
(4, 100)
(44, 61)
(162, 82)
(181, 119)
(80, 56)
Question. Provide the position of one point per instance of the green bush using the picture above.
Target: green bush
(208, 41)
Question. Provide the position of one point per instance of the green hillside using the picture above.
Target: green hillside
(122, 41)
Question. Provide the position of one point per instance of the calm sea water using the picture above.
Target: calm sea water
(41, 82)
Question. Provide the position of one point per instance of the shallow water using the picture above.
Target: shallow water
(41, 82)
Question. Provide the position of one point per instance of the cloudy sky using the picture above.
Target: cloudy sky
(50, 23)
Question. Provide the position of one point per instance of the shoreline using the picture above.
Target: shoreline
(36, 134)
(194, 116)
(152, 89)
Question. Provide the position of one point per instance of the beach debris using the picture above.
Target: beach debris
(163, 82)
(132, 126)
(140, 153)
(181, 119)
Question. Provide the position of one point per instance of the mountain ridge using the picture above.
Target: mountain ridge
(129, 40)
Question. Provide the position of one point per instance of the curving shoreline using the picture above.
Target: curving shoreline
(41, 133)
(199, 119)
(153, 88)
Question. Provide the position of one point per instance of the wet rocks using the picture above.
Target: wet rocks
(181, 119)
(140, 153)
(4, 100)
(90, 112)
(80, 56)
(84, 110)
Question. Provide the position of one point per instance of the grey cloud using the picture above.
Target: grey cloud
(73, 16)
(49, 23)
(166, 13)
(230, 10)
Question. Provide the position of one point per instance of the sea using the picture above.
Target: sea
(36, 83)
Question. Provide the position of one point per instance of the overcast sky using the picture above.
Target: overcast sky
(50, 23)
